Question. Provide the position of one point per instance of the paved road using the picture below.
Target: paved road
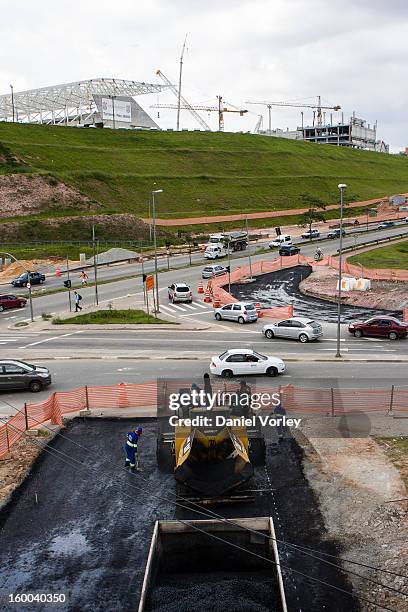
(174, 344)
(72, 374)
(58, 303)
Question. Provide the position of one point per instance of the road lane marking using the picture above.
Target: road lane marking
(200, 305)
(178, 307)
(49, 339)
(189, 306)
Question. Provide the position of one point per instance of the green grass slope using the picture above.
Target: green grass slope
(201, 173)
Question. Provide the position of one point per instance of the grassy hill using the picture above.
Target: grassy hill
(201, 173)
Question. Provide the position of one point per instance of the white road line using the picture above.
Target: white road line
(189, 306)
(166, 308)
(178, 307)
(195, 313)
(200, 305)
(49, 339)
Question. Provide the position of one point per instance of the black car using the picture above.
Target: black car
(15, 374)
(35, 278)
(336, 233)
(288, 249)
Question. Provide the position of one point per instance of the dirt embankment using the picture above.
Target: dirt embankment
(28, 194)
(388, 295)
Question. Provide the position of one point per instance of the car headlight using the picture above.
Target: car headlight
(43, 374)
(351, 326)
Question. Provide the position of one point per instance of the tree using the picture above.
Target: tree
(314, 212)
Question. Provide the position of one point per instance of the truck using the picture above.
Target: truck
(218, 244)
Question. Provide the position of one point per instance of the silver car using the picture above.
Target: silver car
(243, 312)
(211, 271)
(296, 328)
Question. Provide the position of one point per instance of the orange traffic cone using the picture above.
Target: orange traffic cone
(217, 301)
(58, 272)
(258, 309)
(207, 296)
(200, 287)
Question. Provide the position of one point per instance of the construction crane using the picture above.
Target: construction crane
(259, 124)
(220, 109)
(317, 106)
(186, 105)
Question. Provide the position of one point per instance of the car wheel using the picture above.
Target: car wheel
(1, 308)
(303, 338)
(24, 284)
(269, 334)
(241, 320)
(393, 336)
(358, 333)
(35, 386)
(218, 316)
(271, 371)
(227, 374)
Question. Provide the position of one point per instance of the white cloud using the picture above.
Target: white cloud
(351, 53)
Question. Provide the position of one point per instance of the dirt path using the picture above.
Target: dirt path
(268, 214)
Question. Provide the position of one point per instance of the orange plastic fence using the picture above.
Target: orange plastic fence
(294, 399)
(371, 273)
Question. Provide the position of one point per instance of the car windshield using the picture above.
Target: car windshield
(208, 269)
(24, 275)
(27, 365)
(182, 289)
(250, 306)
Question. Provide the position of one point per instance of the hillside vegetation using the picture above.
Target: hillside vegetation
(202, 174)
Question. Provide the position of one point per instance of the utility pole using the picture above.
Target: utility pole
(113, 112)
(179, 85)
(95, 266)
(270, 119)
(220, 115)
(156, 275)
(69, 286)
(249, 248)
(12, 100)
(342, 187)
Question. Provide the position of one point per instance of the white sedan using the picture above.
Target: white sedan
(237, 362)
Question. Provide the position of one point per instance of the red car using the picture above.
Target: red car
(380, 327)
(11, 301)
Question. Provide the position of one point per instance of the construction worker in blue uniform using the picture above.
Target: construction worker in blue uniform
(132, 457)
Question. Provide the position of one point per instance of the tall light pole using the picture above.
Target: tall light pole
(12, 100)
(95, 265)
(342, 187)
(249, 248)
(156, 276)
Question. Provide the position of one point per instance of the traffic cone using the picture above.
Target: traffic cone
(217, 301)
(200, 287)
(258, 309)
(207, 296)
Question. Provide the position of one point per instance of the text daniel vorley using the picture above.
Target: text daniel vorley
(223, 421)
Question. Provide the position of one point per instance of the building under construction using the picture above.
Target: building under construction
(96, 102)
(355, 133)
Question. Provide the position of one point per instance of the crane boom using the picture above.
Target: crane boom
(317, 106)
(186, 105)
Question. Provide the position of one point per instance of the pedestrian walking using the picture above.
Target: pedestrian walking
(84, 278)
(77, 299)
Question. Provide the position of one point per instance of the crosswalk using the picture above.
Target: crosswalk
(16, 337)
(183, 309)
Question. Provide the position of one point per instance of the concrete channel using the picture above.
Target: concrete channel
(82, 525)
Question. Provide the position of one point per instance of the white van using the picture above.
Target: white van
(213, 251)
(280, 241)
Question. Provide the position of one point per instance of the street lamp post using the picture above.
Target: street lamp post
(156, 276)
(249, 249)
(342, 187)
(30, 295)
(12, 100)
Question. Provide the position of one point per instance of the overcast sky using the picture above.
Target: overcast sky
(353, 53)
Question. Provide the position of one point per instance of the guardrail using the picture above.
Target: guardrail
(356, 247)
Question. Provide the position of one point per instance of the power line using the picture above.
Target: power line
(189, 524)
(207, 513)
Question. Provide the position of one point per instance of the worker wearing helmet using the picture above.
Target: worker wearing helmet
(132, 456)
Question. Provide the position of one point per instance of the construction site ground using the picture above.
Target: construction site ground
(389, 295)
(81, 524)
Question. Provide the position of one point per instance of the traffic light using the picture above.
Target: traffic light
(228, 269)
(144, 277)
(278, 231)
(67, 284)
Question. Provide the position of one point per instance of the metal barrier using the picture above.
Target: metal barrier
(302, 401)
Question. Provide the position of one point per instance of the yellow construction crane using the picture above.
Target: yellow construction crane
(317, 106)
(220, 109)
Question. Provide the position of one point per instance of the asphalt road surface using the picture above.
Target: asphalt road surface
(71, 374)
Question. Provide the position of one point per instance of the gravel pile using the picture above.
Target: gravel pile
(114, 255)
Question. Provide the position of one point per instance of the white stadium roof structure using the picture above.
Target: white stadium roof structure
(70, 103)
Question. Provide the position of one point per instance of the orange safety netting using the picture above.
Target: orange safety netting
(297, 400)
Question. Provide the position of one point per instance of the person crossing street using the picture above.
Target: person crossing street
(77, 299)
(131, 447)
(84, 278)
